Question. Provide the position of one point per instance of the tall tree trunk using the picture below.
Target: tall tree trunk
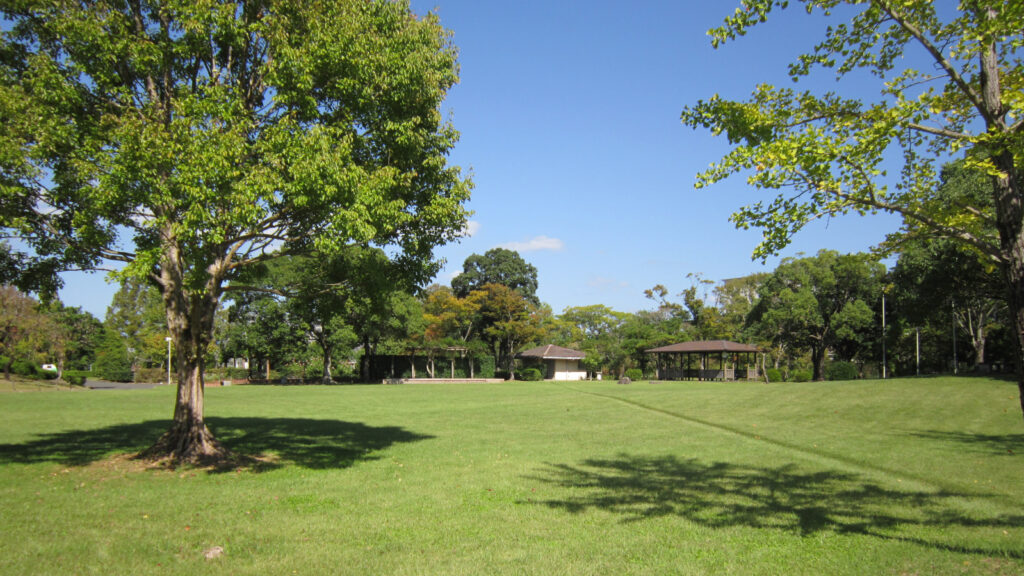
(1008, 197)
(328, 350)
(817, 359)
(190, 318)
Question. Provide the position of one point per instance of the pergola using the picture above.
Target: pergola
(676, 361)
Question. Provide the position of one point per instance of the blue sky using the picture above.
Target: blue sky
(569, 114)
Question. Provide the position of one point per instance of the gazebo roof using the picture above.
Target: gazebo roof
(699, 346)
(552, 352)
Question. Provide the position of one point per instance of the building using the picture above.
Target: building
(559, 363)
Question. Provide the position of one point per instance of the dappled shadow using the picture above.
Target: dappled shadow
(995, 444)
(721, 495)
(318, 444)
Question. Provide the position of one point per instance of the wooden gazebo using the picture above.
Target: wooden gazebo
(707, 360)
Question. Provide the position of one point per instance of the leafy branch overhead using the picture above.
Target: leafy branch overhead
(828, 152)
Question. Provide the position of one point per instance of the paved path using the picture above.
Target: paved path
(96, 384)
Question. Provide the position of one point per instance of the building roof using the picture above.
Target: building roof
(552, 352)
(699, 346)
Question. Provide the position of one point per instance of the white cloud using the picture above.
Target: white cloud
(472, 227)
(535, 244)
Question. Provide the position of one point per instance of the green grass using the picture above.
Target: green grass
(896, 477)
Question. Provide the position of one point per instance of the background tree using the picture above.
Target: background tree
(510, 323)
(81, 331)
(136, 316)
(828, 152)
(821, 303)
(497, 266)
(210, 132)
(25, 333)
(934, 276)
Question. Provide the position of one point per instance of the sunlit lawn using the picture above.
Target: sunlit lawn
(897, 477)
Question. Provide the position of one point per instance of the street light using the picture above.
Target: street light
(168, 360)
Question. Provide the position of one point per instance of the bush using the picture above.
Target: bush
(485, 367)
(235, 373)
(773, 374)
(841, 371)
(800, 376)
(76, 377)
(529, 375)
(26, 369)
(635, 374)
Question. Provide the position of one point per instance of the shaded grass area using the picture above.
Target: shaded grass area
(895, 477)
(722, 495)
(309, 443)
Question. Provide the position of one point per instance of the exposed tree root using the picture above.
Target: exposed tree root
(191, 445)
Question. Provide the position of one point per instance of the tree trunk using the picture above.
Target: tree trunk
(817, 359)
(328, 361)
(190, 320)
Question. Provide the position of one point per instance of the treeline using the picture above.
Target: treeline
(939, 309)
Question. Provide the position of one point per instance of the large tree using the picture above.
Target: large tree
(820, 303)
(828, 152)
(190, 139)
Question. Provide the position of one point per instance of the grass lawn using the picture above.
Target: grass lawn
(897, 477)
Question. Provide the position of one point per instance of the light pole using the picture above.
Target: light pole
(168, 360)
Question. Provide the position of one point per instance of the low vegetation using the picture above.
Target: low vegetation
(919, 476)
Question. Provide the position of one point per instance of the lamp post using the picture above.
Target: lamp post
(168, 360)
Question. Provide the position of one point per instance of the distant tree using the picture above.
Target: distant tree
(820, 303)
(510, 322)
(24, 332)
(497, 266)
(81, 332)
(599, 331)
(136, 315)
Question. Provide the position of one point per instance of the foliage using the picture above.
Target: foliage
(136, 316)
(26, 335)
(202, 137)
(497, 266)
(76, 377)
(828, 153)
(773, 375)
(935, 275)
(801, 376)
(529, 375)
(634, 374)
(511, 322)
(819, 304)
(840, 370)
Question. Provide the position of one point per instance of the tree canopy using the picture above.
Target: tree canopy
(191, 139)
(497, 266)
(950, 81)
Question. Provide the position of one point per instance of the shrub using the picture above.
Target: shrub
(800, 376)
(529, 375)
(773, 374)
(26, 369)
(485, 367)
(635, 374)
(76, 377)
(236, 373)
(841, 371)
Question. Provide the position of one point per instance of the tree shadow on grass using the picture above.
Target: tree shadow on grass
(307, 443)
(993, 444)
(721, 495)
